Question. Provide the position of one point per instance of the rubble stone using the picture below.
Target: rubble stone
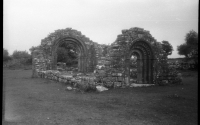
(111, 70)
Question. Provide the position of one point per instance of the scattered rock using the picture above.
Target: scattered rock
(69, 88)
(101, 88)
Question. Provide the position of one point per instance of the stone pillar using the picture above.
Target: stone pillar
(151, 71)
(145, 70)
(139, 72)
(149, 67)
(79, 63)
(142, 61)
(34, 58)
(127, 72)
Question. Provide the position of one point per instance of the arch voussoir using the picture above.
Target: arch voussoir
(70, 36)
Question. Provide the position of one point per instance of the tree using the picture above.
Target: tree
(67, 54)
(72, 53)
(192, 39)
(183, 49)
(62, 54)
(5, 52)
(21, 55)
(190, 48)
(6, 56)
(34, 48)
(167, 47)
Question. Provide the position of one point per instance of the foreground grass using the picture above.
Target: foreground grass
(42, 101)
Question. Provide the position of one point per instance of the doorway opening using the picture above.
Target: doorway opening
(67, 57)
(133, 69)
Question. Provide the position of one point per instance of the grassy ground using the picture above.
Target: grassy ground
(36, 101)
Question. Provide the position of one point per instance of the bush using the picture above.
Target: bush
(21, 55)
(19, 60)
(6, 56)
(17, 64)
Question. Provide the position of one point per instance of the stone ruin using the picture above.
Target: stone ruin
(134, 58)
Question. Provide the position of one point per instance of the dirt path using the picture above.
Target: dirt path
(38, 101)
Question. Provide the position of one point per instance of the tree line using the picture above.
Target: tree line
(20, 55)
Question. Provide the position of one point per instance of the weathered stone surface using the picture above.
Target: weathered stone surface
(47, 55)
(113, 70)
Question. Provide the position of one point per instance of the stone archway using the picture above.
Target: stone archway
(79, 45)
(151, 59)
(47, 59)
(139, 42)
(145, 58)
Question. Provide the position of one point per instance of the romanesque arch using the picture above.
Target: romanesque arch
(139, 42)
(79, 45)
(145, 58)
(47, 59)
(151, 60)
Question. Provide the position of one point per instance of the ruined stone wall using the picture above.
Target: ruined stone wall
(133, 39)
(115, 73)
(39, 62)
(45, 58)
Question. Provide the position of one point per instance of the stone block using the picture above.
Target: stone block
(120, 79)
(109, 84)
(117, 84)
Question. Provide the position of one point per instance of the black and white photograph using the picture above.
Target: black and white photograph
(100, 62)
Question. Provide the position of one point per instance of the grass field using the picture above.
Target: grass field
(36, 101)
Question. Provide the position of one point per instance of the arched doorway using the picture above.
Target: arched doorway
(133, 68)
(142, 51)
(67, 57)
(80, 48)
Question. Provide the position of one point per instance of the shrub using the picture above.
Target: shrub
(17, 64)
(6, 56)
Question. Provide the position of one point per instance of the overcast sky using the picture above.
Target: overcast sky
(26, 22)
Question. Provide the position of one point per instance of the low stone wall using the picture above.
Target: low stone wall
(111, 81)
(69, 79)
(170, 77)
(114, 80)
